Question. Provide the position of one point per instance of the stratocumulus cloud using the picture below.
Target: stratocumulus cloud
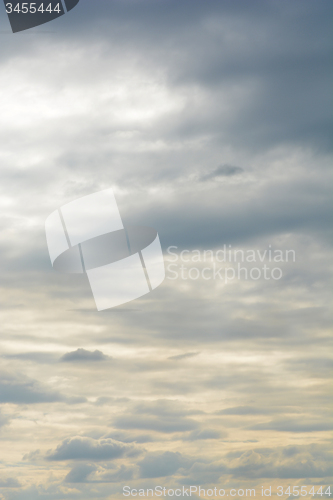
(211, 122)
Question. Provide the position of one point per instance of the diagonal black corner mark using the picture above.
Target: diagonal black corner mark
(35, 13)
(63, 5)
(70, 4)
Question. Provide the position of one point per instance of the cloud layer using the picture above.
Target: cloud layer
(212, 123)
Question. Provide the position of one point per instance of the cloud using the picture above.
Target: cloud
(37, 357)
(106, 400)
(162, 100)
(310, 461)
(122, 474)
(179, 357)
(223, 171)
(33, 456)
(165, 408)
(88, 473)
(75, 400)
(166, 416)
(159, 424)
(294, 425)
(83, 448)
(205, 434)
(319, 367)
(128, 438)
(291, 462)
(161, 464)
(247, 410)
(10, 483)
(79, 473)
(4, 419)
(203, 473)
(82, 356)
(18, 390)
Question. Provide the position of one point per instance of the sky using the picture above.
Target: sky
(211, 121)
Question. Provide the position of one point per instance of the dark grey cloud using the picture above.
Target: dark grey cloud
(14, 389)
(217, 43)
(221, 219)
(83, 448)
(222, 66)
(222, 171)
(279, 77)
(82, 356)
